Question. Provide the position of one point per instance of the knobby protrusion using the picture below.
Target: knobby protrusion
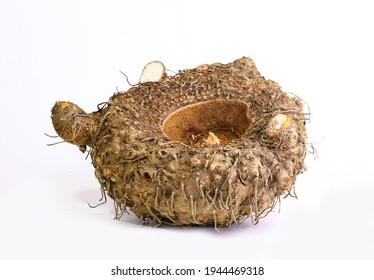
(73, 124)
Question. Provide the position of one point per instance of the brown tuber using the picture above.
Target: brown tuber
(211, 145)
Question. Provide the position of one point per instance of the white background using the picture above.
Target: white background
(72, 50)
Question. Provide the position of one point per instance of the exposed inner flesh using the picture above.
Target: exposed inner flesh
(201, 122)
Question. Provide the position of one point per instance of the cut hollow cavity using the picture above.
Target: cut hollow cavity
(191, 124)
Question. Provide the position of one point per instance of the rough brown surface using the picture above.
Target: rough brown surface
(149, 155)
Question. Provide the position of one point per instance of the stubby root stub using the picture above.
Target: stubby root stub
(211, 145)
(72, 124)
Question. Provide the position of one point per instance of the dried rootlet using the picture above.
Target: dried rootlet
(212, 145)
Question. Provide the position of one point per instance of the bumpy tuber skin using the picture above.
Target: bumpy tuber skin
(211, 145)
